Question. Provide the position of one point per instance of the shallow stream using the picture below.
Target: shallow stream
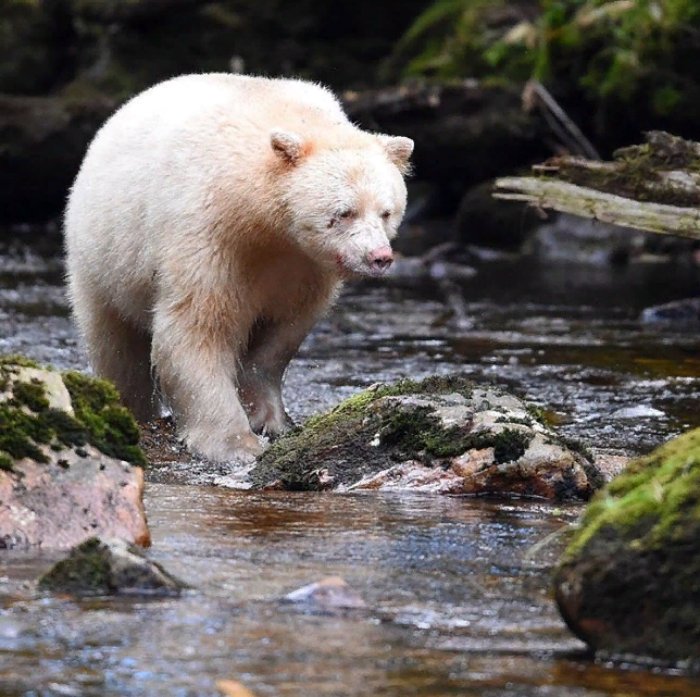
(457, 589)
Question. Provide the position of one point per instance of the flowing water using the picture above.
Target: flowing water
(457, 589)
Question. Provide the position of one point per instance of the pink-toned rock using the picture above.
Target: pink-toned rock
(330, 593)
(68, 456)
(416, 476)
(57, 506)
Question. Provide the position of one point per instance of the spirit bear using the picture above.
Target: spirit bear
(213, 220)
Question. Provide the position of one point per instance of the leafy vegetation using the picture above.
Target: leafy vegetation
(618, 57)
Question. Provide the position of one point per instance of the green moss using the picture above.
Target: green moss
(509, 445)
(6, 463)
(13, 361)
(522, 421)
(85, 570)
(69, 431)
(109, 426)
(577, 446)
(367, 431)
(411, 431)
(540, 415)
(628, 582)
(647, 502)
(9, 367)
(30, 394)
(28, 422)
(638, 171)
(20, 433)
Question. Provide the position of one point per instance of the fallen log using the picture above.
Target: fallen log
(654, 186)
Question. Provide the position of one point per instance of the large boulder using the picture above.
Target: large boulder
(443, 434)
(629, 581)
(68, 456)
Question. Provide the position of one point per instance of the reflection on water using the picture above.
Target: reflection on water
(457, 589)
(456, 592)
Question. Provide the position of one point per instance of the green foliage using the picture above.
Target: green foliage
(630, 52)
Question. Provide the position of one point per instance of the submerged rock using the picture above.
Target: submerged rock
(330, 593)
(233, 688)
(628, 584)
(443, 434)
(67, 455)
(682, 313)
(109, 567)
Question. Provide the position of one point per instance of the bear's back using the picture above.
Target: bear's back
(225, 99)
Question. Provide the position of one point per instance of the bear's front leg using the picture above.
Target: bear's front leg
(195, 361)
(272, 345)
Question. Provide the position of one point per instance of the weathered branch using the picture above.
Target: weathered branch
(653, 187)
(589, 203)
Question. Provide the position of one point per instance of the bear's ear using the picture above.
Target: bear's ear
(288, 146)
(399, 150)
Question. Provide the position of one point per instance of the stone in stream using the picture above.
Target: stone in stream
(680, 313)
(109, 567)
(629, 581)
(444, 434)
(330, 593)
(67, 460)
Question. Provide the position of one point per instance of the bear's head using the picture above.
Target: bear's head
(344, 203)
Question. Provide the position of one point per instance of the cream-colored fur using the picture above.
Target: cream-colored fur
(211, 222)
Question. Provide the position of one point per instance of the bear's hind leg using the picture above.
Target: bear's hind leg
(120, 352)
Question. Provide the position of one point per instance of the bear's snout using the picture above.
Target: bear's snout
(380, 259)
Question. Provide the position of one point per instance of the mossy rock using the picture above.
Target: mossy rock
(109, 567)
(629, 581)
(464, 437)
(43, 412)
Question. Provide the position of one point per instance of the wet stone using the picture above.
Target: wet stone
(443, 435)
(679, 313)
(109, 567)
(67, 460)
(627, 584)
(331, 593)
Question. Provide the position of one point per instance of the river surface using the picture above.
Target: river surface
(457, 589)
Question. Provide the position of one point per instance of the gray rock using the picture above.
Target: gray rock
(443, 435)
(681, 313)
(109, 567)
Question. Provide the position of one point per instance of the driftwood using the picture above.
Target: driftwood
(653, 187)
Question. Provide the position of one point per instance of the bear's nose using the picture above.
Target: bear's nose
(380, 259)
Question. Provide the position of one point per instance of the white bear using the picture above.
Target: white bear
(213, 220)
